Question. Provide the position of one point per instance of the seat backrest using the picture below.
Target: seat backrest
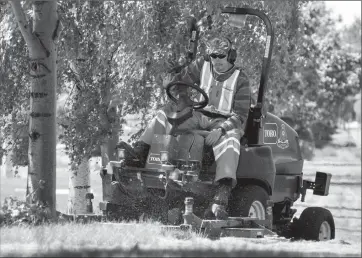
(251, 129)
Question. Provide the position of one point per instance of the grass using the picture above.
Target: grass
(343, 154)
(345, 147)
(86, 235)
(147, 239)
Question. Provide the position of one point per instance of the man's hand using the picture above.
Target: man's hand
(213, 137)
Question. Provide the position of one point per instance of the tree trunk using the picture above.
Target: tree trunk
(110, 121)
(41, 43)
(107, 179)
(357, 109)
(79, 186)
(8, 165)
(108, 148)
(108, 153)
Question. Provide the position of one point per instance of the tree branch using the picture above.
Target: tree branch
(78, 77)
(21, 19)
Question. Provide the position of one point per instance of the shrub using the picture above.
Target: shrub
(17, 212)
(322, 133)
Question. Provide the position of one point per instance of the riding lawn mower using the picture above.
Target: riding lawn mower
(176, 183)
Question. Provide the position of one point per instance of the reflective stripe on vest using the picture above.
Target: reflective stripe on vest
(222, 102)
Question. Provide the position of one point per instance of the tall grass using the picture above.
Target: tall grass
(72, 236)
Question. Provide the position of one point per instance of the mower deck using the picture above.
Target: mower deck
(232, 227)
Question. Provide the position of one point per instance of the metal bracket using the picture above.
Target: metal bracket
(306, 185)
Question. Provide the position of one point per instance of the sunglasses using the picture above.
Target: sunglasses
(220, 56)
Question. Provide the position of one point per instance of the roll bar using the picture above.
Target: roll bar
(268, 46)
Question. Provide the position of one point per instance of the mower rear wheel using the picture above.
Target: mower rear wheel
(316, 223)
(248, 201)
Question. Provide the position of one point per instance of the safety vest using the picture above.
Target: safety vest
(221, 94)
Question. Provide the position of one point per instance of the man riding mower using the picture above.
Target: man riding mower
(228, 92)
(241, 164)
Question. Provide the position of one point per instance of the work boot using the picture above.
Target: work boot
(208, 214)
(219, 211)
(221, 199)
(140, 150)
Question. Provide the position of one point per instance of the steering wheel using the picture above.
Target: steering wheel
(195, 105)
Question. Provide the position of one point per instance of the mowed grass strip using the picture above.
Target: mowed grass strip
(147, 239)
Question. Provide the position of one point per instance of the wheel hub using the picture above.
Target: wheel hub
(257, 210)
(325, 231)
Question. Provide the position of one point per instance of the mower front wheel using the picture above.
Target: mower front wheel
(316, 223)
(249, 201)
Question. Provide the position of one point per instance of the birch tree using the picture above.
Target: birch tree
(14, 92)
(40, 33)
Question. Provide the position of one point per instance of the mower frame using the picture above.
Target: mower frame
(117, 171)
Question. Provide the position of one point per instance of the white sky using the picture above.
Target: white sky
(347, 9)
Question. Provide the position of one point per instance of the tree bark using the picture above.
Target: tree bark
(79, 186)
(41, 42)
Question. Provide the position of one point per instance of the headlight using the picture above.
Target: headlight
(164, 157)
